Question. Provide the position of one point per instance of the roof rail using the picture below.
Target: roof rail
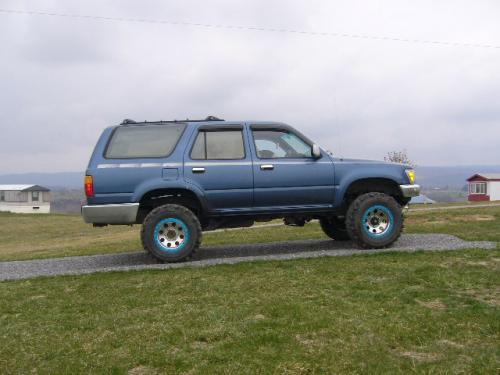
(128, 121)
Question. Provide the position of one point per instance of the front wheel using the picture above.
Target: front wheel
(171, 233)
(374, 220)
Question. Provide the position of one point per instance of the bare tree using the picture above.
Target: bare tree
(399, 157)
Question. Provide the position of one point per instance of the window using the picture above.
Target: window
(35, 195)
(144, 141)
(2, 196)
(218, 145)
(273, 144)
(478, 188)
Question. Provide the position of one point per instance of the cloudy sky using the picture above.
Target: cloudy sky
(64, 79)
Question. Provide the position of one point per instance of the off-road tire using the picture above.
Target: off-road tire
(178, 214)
(334, 228)
(358, 230)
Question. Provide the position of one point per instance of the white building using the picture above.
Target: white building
(24, 199)
(484, 187)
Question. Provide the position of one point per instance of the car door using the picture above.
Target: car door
(286, 175)
(218, 162)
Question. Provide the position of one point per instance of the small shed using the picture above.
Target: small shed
(484, 187)
(24, 199)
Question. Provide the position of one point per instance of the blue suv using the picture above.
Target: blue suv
(179, 178)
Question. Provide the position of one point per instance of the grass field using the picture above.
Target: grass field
(433, 312)
(422, 312)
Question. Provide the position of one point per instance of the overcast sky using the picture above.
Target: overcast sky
(64, 79)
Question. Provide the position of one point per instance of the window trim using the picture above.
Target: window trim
(143, 157)
(472, 191)
(283, 130)
(37, 196)
(217, 129)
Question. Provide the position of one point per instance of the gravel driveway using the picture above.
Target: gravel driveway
(207, 256)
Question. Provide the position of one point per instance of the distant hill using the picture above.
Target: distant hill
(429, 177)
(67, 180)
(452, 177)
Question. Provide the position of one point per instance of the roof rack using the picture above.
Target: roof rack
(128, 121)
(213, 118)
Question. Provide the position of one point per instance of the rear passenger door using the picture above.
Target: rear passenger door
(218, 162)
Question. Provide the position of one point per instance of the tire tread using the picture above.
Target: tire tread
(354, 211)
(175, 208)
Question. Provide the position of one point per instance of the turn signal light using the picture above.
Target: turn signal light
(89, 186)
(411, 175)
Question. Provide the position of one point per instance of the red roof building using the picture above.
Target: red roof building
(484, 187)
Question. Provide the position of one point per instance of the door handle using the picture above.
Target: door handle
(198, 170)
(267, 167)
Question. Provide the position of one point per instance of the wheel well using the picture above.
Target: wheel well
(369, 185)
(159, 197)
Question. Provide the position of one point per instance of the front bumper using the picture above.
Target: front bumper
(410, 190)
(125, 213)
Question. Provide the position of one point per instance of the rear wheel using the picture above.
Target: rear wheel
(334, 228)
(171, 233)
(374, 220)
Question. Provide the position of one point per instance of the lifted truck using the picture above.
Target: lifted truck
(179, 178)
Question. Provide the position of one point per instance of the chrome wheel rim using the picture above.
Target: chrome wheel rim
(378, 221)
(171, 234)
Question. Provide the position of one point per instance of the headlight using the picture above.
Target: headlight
(411, 175)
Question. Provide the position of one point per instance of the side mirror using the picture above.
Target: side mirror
(316, 151)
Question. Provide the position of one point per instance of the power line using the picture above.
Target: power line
(250, 28)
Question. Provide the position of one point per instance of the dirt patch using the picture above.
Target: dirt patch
(142, 370)
(451, 344)
(259, 317)
(420, 356)
(476, 217)
(312, 341)
(432, 304)
(488, 296)
(482, 264)
(450, 219)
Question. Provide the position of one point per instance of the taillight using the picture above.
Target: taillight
(89, 186)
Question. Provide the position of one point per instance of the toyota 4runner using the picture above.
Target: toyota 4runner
(179, 178)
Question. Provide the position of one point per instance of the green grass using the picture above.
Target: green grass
(451, 204)
(43, 236)
(432, 312)
(475, 224)
(421, 312)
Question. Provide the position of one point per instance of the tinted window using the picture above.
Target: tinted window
(272, 144)
(144, 141)
(199, 151)
(218, 145)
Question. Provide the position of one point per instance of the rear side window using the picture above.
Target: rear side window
(218, 145)
(144, 141)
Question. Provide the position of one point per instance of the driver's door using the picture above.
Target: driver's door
(286, 176)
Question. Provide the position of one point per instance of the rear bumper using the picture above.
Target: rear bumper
(125, 213)
(410, 190)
